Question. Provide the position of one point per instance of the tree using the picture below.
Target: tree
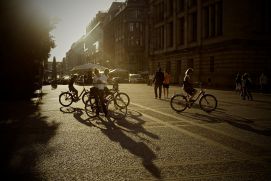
(54, 70)
(26, 44)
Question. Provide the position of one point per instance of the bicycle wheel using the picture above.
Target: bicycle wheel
(86, 97)
(115, 111)
(178, 103)
(122, 99)
(208, 103)
(90, 107)
(65, 99)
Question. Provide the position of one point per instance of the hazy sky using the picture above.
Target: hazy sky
(74, 15)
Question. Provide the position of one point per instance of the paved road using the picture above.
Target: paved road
(151, 143)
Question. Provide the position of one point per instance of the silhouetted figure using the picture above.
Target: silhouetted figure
(99, 82)
(263, 82)
(166, 83)
(238, 83)
(54, 84)
(246, 87)
(158, 82)
(71, 87)
(188, 83)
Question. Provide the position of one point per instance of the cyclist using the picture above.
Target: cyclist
(188, 84)
(106, 77)
(71, 87)
(99, 82)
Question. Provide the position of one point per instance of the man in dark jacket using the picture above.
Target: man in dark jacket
(158, 82)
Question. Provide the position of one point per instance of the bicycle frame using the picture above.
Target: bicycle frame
(201, 93)
(84, 90)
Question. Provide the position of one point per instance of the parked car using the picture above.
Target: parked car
(136, 78)
(119, 80)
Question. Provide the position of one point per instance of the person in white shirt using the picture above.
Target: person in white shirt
(99, 82)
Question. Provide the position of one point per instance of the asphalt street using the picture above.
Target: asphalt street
(152, 143)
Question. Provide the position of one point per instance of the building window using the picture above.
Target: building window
(131, 26)
(168, 66)
(193, 27)
(212, 64)
(192, 3)
(180, 5)
(169, 7)
(159, 12)
(213, 19)
(219, 18)
(181, 31)
(206, 22)
(170, 34)
(161, 38)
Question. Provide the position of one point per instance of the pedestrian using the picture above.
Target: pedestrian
(238, 83)
(263, 82)
(246, 87)
(166, 83)
(158, 82)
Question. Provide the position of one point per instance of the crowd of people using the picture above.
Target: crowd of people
(161, 81)
(98, 90)
(244, 85)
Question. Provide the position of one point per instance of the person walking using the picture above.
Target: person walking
(263, 82)
(158, 82)
(166, 83)
(246, 87)
(238, 83)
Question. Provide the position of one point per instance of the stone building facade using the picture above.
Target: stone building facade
(125, 35)
(75, 56)
(218, 38)
(93, 40)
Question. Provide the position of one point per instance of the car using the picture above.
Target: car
(119, 80)
(136, 78)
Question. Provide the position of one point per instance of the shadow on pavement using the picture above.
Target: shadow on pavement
(114, 130)
(24, 132)
(239, 122)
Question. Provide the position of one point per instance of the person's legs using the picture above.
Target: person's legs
(164, 91)
(101, 98)
(75, 91)
(95, 92)
(249, 95)
(167, 92)
(155, 90)
(160, 91)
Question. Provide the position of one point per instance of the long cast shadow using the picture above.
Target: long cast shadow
(139, 149)
(115, 132)
(238, 122)
(22, 127)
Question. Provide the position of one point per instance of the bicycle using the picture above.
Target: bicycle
(113, 109)
(68, 97)
(121, 99)
(207, 102)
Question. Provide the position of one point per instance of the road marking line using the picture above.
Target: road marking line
(202, 138)
(197, 124)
